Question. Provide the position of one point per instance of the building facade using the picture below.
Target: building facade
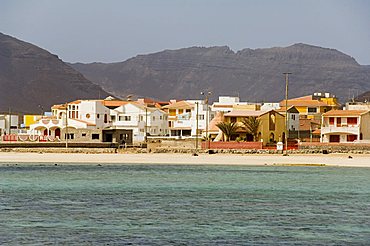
(345, 126)
(182, 118)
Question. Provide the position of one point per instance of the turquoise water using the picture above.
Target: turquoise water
(183, 205)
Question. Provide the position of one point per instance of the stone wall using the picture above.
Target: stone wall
(60, 150)
(232, 145)
(359, 148)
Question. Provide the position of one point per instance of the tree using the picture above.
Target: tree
(228, 128)
(252, 124)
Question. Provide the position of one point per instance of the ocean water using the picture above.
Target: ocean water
(183, 205)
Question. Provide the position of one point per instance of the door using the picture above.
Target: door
(334, 139)
(57, 132)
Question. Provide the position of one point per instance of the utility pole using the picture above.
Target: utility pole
(66, 126)
(10, 121)
(207, 115)
(146, 124)
(197, 130)
(286, 111)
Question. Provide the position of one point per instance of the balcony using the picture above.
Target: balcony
(341, 129)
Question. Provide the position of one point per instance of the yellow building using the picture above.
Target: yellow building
(29, 119)
(312, 106)
(271, 129)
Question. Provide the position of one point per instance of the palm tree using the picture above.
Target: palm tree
(252, 124)
(228, 128)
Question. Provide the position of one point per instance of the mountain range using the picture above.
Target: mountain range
(32, 79)
(256, 75)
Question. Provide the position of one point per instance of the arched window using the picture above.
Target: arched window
(105, 118)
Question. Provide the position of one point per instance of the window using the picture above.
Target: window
(188, 111)
(87, 116)
(98, 116)
(312, 110)
(125, 118)
(95, 136)
(172, 112)
(331, 121)
(181, 111)
(69, 136)
(105, 118)
(351, 121)
(293, 116)
(153, 118)
(113, 117)
(160, 117)
(339, 122)
(351, 138)
(201, 117)
(83, 134)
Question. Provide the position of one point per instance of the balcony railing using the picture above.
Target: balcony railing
(343, 129)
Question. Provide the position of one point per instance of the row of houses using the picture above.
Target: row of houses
(310, 118)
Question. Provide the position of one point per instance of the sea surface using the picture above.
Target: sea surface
(44, 204)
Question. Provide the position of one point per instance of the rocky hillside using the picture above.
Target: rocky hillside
(255, 75)
(32, 79)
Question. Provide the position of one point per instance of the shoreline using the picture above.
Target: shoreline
(339, 160)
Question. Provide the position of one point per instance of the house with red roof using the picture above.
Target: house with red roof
(345, 126)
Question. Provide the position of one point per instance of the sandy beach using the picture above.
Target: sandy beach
(187, 159)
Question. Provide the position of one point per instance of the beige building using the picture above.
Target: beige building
(313, 106)
(271, 130)
(343, 126)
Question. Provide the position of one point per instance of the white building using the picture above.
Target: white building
(270, 106)
(142, 120)
(87, 116)
(182, 118)
(8, 124)
(226, 104)
(101, 120)
(343, 126)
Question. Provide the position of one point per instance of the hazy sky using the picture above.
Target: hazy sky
(115, 30)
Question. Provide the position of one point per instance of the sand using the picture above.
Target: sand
(187, 159)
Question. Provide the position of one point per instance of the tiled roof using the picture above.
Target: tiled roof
(291, 109)
(113, 103)
(218, 118)
(59, 106)
(309, 97)
(304, 103)
(308, 124)
(180, 105)
(345, 112)
(244, 113)
(75, 102)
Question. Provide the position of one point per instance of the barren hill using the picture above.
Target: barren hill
(32, 79)
(255, 75)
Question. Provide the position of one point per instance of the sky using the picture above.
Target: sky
(115, 30)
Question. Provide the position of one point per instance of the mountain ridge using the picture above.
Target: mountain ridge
(32, 79)
(255, 74)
